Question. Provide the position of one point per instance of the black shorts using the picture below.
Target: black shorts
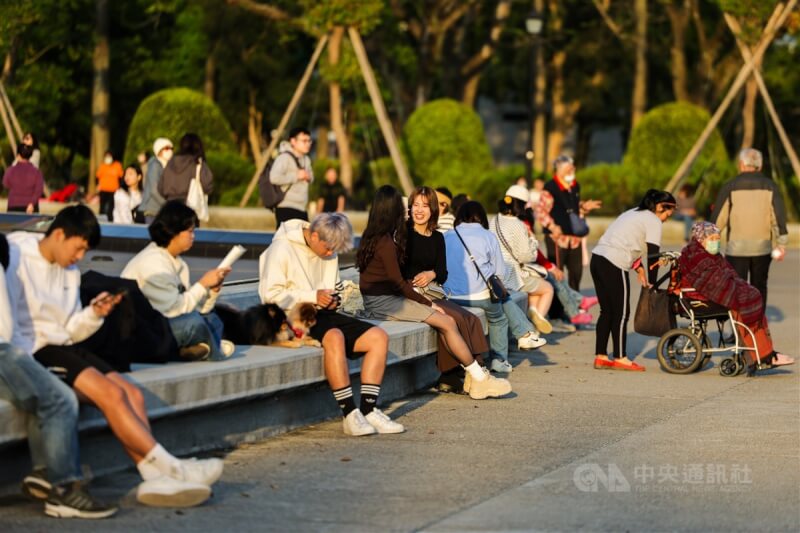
(67, 362)
(352, 329)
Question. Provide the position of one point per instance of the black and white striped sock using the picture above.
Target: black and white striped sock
(344, 397)
(369, 397)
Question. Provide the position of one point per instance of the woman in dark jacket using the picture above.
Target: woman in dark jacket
(715, 280)
(426, 266)
(182, 169)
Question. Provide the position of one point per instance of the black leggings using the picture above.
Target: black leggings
(571, 258)
(613, 288)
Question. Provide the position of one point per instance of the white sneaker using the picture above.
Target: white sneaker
(168, 492)
(203, 471)
(356, 425)
(501, 366)
(539, 321)
(530, 341)
(227, 347)
(491, 387)
(382, 423)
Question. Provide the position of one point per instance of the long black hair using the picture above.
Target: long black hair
(653, 197)
(386, 217)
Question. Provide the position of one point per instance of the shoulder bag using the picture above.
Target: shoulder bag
(497, 291)
(577, 223)
(196, 198)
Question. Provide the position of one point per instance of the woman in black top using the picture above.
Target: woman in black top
(426, 266)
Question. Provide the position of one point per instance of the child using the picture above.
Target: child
(44, 287)
(128, 197)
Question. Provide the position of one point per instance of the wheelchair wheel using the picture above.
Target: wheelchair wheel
(679, 351)
(730, 366)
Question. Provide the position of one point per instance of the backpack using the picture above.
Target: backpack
(271, 194)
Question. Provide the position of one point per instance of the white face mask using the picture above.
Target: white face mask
(108, 160)
(166, 155)
(569, 178)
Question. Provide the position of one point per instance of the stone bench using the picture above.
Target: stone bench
(260, 391)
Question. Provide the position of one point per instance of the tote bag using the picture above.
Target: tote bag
(653, 316)
(196, 198)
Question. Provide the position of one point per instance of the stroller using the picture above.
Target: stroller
(687, 348)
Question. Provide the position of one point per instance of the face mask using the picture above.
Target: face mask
(712, 247)
(166, 155)
(108, 160)
(569, 178)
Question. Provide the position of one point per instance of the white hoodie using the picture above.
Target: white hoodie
(290, 272)
(6, 325)
(164, 280)
(45, 298)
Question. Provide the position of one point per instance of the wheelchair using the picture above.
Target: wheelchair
(689, 347)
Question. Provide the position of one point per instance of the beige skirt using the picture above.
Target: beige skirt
(390, 307)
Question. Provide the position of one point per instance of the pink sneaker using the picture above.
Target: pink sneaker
(588, 302)
(581, 319)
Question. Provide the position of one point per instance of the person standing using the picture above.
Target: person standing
(182, 169)
(749, 212)
(622, 248)
(24, 182)
(292, 169)
(559, 207)
(151, 198)
(332, 193)
(108, 176)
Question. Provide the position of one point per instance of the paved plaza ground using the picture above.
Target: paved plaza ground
(573, 449)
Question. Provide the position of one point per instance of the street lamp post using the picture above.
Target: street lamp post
(534, 24)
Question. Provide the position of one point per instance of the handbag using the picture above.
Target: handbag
(529, 269)
(432, 291)
(196, 198)
(653, 316)
(577, 223)
(497, 291)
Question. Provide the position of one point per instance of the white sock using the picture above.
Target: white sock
(475, 371)
(158, 462)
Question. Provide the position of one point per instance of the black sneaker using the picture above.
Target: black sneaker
(75, 502)
(36, 486)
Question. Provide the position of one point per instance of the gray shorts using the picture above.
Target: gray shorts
(390, 307)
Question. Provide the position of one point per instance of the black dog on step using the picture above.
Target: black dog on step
(268, 325)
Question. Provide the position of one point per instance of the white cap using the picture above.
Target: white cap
(160, 144)
(519, 192)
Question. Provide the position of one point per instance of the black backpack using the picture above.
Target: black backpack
(271, 194)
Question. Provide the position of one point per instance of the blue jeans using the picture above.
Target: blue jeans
(52, 410)
(194, 328)
(498, 326)
(517, 320)
(570, 298)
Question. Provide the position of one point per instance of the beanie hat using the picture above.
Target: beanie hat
(160, 144)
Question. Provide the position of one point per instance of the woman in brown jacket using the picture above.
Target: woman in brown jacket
(182, 169)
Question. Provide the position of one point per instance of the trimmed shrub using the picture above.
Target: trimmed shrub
(610, 183)
(232, 173)
(662, 139)
(171, 113)
(492, 186)
(445, 145)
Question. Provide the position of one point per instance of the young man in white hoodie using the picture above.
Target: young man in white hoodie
(302, 265)
(52, 410)
(44, 293)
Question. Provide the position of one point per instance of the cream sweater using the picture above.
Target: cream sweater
(290, 272)
(6, 325)
(164, 280)
(45, 298)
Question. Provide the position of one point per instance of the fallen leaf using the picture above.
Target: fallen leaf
(345, 459)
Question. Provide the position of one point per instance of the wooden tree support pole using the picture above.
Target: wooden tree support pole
(9, 131)
(780, 15)
(380, 110)
(733, 24)
(10, 108)
(276, 137)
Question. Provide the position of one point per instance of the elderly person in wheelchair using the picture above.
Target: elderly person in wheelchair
(715, 282)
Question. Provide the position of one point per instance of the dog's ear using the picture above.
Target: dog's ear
(308, 313)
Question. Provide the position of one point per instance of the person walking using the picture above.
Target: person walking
(151, 198)
(108, 175)
(182, 169)
(626, 244)
(749, 212)
(292, 169)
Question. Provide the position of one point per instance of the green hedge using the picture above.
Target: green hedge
(612, 184)
(171, 113)
(445, 145)
(232, 173)
(662, 139)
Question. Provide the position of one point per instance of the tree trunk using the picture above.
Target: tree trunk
(337, 125)
(539, 96)
(254, 129)
(8, 62)
(678, 21)
(323, 148)
(749, 113)
(473, 68)
(209, 87)
(563, 112)
(100, 94)
(639, 100)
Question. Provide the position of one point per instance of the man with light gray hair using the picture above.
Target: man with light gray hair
(751, 216)
(301, 265)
